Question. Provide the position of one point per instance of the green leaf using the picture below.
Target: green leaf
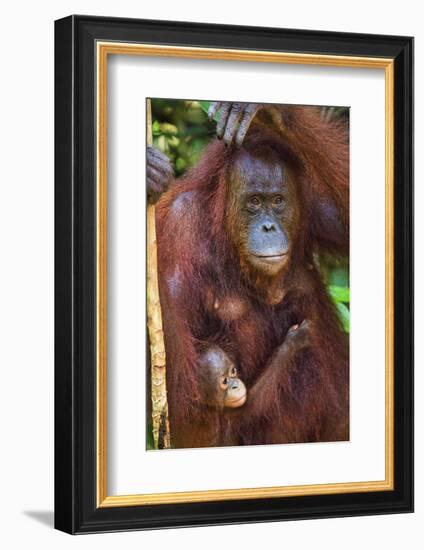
(168, 129)
(205, 107)
(344, 316)
(149, 437)
(339, 276)
(340, 293)
(173, 141)
(180, 164)
(156, 128)
(162, 144)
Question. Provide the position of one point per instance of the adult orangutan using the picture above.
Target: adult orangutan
(238, 242)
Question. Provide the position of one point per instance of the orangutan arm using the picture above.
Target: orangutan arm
(265, 394)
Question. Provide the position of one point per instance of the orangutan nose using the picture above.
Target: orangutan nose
(268, 227)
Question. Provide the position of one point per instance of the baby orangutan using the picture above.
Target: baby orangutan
(219, 385)
(220, 391)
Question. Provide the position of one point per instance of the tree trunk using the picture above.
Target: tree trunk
(160, 421)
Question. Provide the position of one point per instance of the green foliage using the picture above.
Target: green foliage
(339, 293)
(181, 130)
(337, 274)
(150, 444)
(344, 314)
(205, 106)
(337, 278)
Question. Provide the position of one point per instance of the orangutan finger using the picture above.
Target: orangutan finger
(232, 123)
(154, 174)
(248, 115)
(157, 153)
(213, 109)
(222, 122)
(163, 166)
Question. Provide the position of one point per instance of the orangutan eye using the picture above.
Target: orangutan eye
(278, 200)
(233, 371)
(254, 202)
(224, 382)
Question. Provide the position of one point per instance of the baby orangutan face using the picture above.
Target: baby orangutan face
(220, 386)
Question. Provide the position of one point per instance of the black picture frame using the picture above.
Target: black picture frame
(76, 509)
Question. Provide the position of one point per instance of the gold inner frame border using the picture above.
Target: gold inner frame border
(103, 50)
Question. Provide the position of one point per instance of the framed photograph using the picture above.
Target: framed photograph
(234, 274)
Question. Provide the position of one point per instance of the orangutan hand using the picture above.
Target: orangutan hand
(299, 336)
(234, 121)
(159, 174)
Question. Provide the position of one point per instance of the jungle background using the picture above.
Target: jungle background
(181, 129)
